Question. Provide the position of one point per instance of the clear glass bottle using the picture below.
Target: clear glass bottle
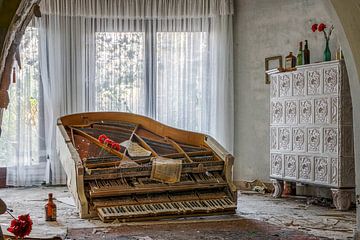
(50, 209)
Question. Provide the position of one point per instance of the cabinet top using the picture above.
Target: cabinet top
(319, 64)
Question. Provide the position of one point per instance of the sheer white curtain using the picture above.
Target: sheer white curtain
(22, 148)
(168, 59)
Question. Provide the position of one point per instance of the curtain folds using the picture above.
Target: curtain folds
(22, 148)
(138, 9)
(167, 59)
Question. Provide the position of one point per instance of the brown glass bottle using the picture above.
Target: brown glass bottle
(290, 61)
(306, 53)
(50, 209)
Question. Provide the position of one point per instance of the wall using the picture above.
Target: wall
(264, 28)
(346, 14)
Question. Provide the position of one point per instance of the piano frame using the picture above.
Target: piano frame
(74, 166)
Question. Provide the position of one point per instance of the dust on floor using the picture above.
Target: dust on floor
(283, 216)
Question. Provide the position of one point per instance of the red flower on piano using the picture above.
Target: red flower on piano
(115, 146)
(102, 138)
(108, 142)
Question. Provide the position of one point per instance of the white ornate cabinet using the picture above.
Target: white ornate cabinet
(311, 133)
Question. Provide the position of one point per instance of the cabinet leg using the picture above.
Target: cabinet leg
(279, 187)
(342, 198)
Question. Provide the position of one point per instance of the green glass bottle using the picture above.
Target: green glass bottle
(299, 56)
(327, 52)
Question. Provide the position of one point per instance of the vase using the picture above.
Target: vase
(327, 53)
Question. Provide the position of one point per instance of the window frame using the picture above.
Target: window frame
(150, 59)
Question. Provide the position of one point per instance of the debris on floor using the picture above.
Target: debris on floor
(257, 186)
(291, 215)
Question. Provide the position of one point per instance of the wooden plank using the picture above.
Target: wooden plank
(229, 162)
(72, 165)
(191, 138)
(178, 215)
(111, 173)
(191, 154)
(121, 191)
(145, 145)
(178, 148)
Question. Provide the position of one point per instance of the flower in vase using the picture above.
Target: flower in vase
(314, 27)
(321, 28)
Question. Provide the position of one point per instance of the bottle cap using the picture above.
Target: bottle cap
(50, 195)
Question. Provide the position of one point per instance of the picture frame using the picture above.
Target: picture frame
(267, 65)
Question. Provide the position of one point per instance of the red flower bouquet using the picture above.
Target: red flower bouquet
(321, 28)
(22, 226)
(108, 142)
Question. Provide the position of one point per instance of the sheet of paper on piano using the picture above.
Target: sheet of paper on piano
(135, 150)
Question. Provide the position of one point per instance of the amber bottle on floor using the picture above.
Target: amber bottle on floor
(50, 209)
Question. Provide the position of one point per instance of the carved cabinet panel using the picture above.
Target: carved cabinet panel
(313, 82)
(298, 84)
(311, 132)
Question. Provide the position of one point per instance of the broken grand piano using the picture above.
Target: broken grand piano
(156, 172)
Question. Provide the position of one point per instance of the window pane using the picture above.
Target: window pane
(120, 72)
(19, 143)
(182, 79)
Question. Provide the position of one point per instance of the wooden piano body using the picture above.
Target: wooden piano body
(112, 185)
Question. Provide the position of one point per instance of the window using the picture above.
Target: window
(162, 74)
(21, 142)
(120, 71)
(181, 78)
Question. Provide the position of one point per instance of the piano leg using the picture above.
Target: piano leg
(279, 187)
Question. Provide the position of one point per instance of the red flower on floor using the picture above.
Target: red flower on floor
(22, 226)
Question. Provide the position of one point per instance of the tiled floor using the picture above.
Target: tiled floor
(292, 214)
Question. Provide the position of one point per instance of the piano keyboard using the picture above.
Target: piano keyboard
(209, 206)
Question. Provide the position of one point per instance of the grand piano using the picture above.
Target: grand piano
(127, 167)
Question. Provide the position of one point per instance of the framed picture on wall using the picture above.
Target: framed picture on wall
(271, 63)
